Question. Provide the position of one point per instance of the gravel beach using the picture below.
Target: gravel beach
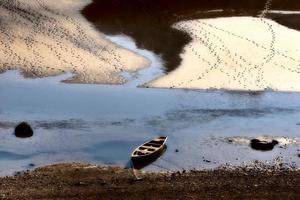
(78, 181)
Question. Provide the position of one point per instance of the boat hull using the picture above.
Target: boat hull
(141, 162)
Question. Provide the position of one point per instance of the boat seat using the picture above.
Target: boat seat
(143, 152)
(139, 153)
(147, 148)
(152, 144)
(156, 142)
(159, 140)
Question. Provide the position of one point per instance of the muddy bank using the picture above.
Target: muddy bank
(149, 22)
(77, 181)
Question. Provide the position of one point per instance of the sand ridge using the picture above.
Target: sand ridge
(237, 53)
(47, 38)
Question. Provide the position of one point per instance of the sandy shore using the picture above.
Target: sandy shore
(46, 38)
(237, 53)
(78, 181)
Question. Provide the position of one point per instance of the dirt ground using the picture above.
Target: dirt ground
(78, 181)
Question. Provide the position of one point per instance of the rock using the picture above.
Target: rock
(23, 130)
(21, 173)
(30, 165)
(80, 183)
(229, 140)
(263, 145)
(116, 123)
(176, 150)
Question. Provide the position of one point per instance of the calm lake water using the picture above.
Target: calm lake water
(102, 124)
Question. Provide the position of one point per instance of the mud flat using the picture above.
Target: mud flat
(46, 38)
(78, 181)
(237, 53)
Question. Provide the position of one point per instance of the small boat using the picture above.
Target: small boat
(148, 152)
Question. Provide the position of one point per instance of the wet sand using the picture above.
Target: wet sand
(78, 181)
(43, 38)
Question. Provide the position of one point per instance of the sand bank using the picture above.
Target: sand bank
(237, 53)
(46, 38)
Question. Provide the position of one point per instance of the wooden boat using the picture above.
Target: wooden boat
(148, 152)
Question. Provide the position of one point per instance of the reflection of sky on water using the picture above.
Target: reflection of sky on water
(103, 124)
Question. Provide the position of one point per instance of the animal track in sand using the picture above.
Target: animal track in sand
(45, 39)
(236, 56)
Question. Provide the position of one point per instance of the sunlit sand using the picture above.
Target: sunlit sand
(237, 53)
(46, 38)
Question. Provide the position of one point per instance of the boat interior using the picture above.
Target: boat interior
(150, 147)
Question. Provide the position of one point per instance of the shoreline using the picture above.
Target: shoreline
(80, 181)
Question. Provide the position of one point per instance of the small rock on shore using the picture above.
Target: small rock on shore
(23, 130)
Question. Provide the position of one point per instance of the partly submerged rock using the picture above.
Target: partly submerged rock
(23, 130)
(31, 165)
(263, 145)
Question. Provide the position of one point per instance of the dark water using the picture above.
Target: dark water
(149, 22)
